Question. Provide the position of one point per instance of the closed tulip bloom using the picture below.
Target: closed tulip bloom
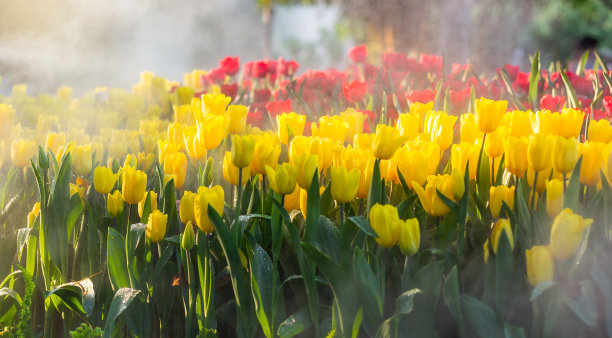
(333, 127)
(366, 178)
(502, 225)
(242, 150)
(489, 114)
(592, 162)
(600, 131)
(152, 195)
(165, 148)
(175, 135)
(195, 149)
(566, 233)
(212, 129)
(266, 153)
(292, 200)
(237, 116)
(325, 149)
(283, 179)
(386, 142)
(430, 200)
(564, 154)
(554, 197)
(290, 121)
(500, 194)
(355, 120)
(539, 151)
(457, 177)
(469, 132)
(344, 184)
(494, 145)
(408, 125)
(364, 141)
(416, 163)
(188, 237)
(54, 141)
(231, 172)
(156, 227)
(306, 164)
(175, 165)
(461, 154)
(410, 236)
(131, 160)
(545, 122)
(186, 207)
(104, 180)
(520, 124)
(205, 196)
(214, 104)
(133, 184)
(21, 152)
(385, 221)
(114, 203)
(516, 155)
(440, 127)
(570, 122)
(540, 265)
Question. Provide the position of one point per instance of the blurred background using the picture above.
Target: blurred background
(108, 43)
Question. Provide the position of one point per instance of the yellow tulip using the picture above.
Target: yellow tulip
(344, 184)
(175, 135)
(545, 122)
(306, 165)
(515, 149)
(408, 125)
(539, 151)
(133, 184)
(386, 142)
(213, 196)
(489, 114)
(156, 227)
(410, 236)
(469, 132)
(540, 265)
(33, 214)
(290, 121)
(194, 148)
(416, 163)
(82, 160)
(165, 148)
(214, 104)
(114, 203)
(502, 225)
(104, 180)
(566, 233)
(152, 195)
(564, 154)
(366, 178)
(570, 122)
(494, 145)
(364, 141)
(186, 207)
(292, 200)
(175, 165)
(21, 153)
(326, 150)
(421, 109)
(188, 237)
(600, 131)
(55, 141)
(231, 172)
(458, 178)
(554, 197)
(500, 194)
(355, 120)
(430, 200)
(520, 124)
(592, 162)
(461, 154)
(332, 127)
(385, 221)
(212, 129)
(237, 116)
(242, 150)
(440, 127)
(266, 152)
(283, 179)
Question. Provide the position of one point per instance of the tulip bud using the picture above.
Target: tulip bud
(242, 150)
(566, 233)
(554, 197)
(292, 200)
(152, 195)
(266, 153)
(114, 203)
(592, 162)
(540, 265)
(205, 196)
(564, 154)
(306, 164)
(283, 179)
(290, 122)
(410, 236)
(214, 104)
(187, 240)
(600, 131)
(33, 214)
(186, 207)
(428, 196)
(156, 227)
(237, 116)
(344, 184)
(133, 184)
(207, 177)
(570, 122)
(458, 184)
(231, 172)
(463, 154)
(539, 151)
(386, 142)
(21, 152)
(385, 221)
(175, 165)
(104, 180)
(515, 149)
(489, 113)
(500, 194)
(502, 225)
(82, 161)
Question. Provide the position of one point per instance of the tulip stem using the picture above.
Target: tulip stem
(239, 195)
(533, 192)
(492, 171)
(341, 214)
(564, 181)
(484, 138)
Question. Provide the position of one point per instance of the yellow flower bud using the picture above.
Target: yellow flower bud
(570, 122)
(292, 200)
(545, 122)
(469, 132)
(364, 141)
(82, 160)
(186, 207)
(54, 141)
(266, 153)
(430, 200)
(592, 162)
(554, 197)
(386, 142)
(564, 154)
(175, 165)
(461, 154)
(515, 149)
(156, 227)
(494, 145)
(205, 196)
(440, 127)
(188, 238)
(385, 221)
(355, 120)
(290, 121)
(540, 265)
(242, 150)
(458, 184)
(566, 233)
(212, 129)
(332, 127)
(344, 184)
(104, 180)
(500, 194)
(502, 225)
(214, 104)
(133, 184)
(417, 162)
(114, 203)
(539, 151)
(283, 179)
(21, 152)
(231, 172)
(600, 131)
(410, 236)
(33, 214)
(489, 114)
(520, 124)
(152, 195)
(306, 164)
(237, 116)
(408, 125)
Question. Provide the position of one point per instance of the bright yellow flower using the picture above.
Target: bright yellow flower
(366, 178)
(195, 149)
(489, 114)
(566, 233)
(212, 129)
(564, 154)
(430, 200)
(242, 150)
(332, 127)
(416, 163)
(554, 197)
(500, 194)
(186, 207)
(520, 124)
(408, 125)
(165, 148)
(570, 122)
(213, 196)
(292, 200)
(290, 121)
(55, 141)
(515, 149)
(440, 127)
(600, 131)
(494, 144)
(175, 165)
(326, 150)
(21, 153)
(156, 227)
(364, 141)
(152, 195)
(593, 157)
(306, 165)
(386, 142)
(82, 160)
(410, 236)
(385, 221)
(231, 172)
(133, 184)
(502, 225)
(539, 151)
(114, 203)
(461, 154)
(545, 122)
(266, 152)
(344, 183)
(214, 104)
(104, 180)
(283, 179)
(175, 135)
(540, 265)
(469, 131)
(355, 120)
(237, 117)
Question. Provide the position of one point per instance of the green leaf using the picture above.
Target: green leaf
(481, 317)
(404, 303)
(295, 324)
(122, 299)
(540, 289)
(585, 307)
(604, 283)
(603, 66)
(116, 260)
(357, 323)
(572, 99)
(368, 286)
(504, 268)
(8, 292)
(313, 209)
(511, 331)
(376, 187)
(261, 287)
(450, 294)
(68, 294)
(534, 80)
(362, 223)
(582, 63)
(572, 192)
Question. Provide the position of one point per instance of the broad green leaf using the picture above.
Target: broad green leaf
(261, 287)
(122, 299)
(534, 80)
(585, 307)
(481, 317)
(376, 187)
(362, 223)
(572, 193)
(450, 294)
(116, 260)
(511, 331)
(68, 294)
(404, 303)
(313, 209)
(540, 289)
(295, 324)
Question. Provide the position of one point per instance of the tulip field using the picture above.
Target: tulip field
(399, 197)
